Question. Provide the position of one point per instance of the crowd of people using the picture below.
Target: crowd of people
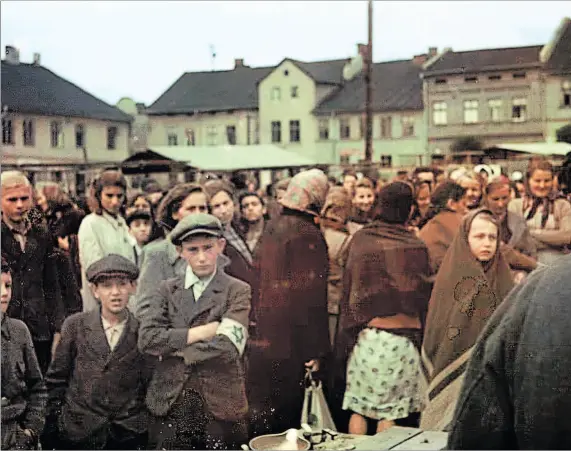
(189, 318)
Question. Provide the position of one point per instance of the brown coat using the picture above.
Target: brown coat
(438, 234)
(214, 366)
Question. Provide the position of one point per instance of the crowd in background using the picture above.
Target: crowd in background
(379, 288)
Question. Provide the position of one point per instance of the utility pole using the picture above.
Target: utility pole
(369, 90)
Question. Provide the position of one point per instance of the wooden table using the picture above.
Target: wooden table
(395, 438)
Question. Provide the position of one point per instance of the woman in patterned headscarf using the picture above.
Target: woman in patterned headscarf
(289, 307)
(472, 282)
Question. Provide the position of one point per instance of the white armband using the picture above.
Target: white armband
(235, 332)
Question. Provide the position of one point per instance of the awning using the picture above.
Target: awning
(220, 158)
(541, 148)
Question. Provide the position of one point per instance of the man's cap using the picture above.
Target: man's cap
(112, 265)
(136, 213)
(196, 224)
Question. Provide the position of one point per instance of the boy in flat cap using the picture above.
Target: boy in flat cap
(140, 223)
(97, 380)
(198, 327)
(23, 390)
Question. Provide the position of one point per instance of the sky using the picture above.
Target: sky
(138, 49)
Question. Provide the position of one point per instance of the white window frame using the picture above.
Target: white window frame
(439, 113)
(495, 107)
(276, 93)
(29, 133)
(323, 129)
(406, 122)
(471, 111)
(56, 126)
(277, 126)
(211, 135)
(294, 92)
(295, 131)
(345, 123)
(386, 126)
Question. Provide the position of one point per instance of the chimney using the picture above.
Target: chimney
(419, 60)
(37, 60)
(238, 62)
(12, 55)
(432, 52)
(362, 50)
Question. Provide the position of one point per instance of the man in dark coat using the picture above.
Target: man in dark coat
(28, 248)
(23, 390)
(517, 390)
(98, 379)
(197, 325)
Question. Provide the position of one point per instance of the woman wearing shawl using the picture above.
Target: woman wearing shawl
(548, 215)
(289, 306)
(443, 220)
(473, 280)
(386, 293)
(334, 228)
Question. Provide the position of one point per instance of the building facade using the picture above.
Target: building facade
(49, 120)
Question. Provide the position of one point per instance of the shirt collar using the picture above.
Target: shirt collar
(117, 221)
(190, 279)
(27, 227)
(107, 325)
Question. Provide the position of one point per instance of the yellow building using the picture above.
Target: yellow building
(47, 119)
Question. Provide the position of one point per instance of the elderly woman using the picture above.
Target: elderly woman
(334, 228)
(472, 282)
(104, 231)
(289, 308)
(473, 186)
(386, 293)
(548, 215)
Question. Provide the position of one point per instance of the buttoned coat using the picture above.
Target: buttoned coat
(90, 386)
(214, 366)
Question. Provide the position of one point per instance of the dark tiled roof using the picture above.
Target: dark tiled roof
(397, 86)
(489, 59)
(560, 59)
(31, 89)
(328, 72)
(212, 91)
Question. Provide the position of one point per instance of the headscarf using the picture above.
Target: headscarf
(307, 192)
(395, 203)
(337, 206)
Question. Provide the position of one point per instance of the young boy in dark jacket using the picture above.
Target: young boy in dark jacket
(97, 380)
(23, 389)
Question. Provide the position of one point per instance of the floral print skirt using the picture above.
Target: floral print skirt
(383, 376)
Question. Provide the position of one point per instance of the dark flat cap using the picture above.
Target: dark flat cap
(196, 224)
(138, 214)
(112, 265)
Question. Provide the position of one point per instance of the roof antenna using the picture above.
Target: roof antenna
(212, 58)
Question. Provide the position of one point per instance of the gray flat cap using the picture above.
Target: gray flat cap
(112, 265)
(196, 224)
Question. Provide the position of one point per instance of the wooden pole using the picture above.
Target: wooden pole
(369, 89)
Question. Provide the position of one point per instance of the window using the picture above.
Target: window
(345, 159)
(440, 81)
(112, 133)
(386, 127)
(386, 161)
(344, 128)
(79, 136)
(190, 138)
(257, 133)
(566, 87)
(494, 77)
(56, 134)
(471, 79)
(276, 132)
(495, 107)
(294, 131)
(519, 110)
(407, 123)
(362, 126)
(518, 75)
(7, 131)
(172, 139)
(294, 92)
(28, 132)
(211, 135)
(276, 93)
(470, 111)
(439, 113)
(323, 127)
(231, 134)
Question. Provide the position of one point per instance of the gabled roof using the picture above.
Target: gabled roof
(321, 72)
(397, 86)
(33, 89)
(560, 59)
(471, 61)
(211, 91)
